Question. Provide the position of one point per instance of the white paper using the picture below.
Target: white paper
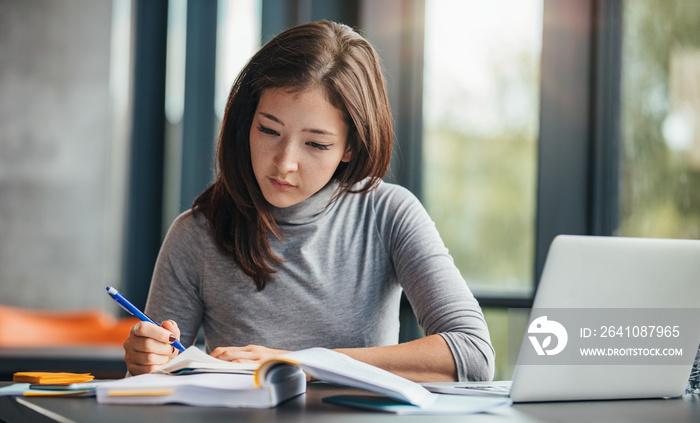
(201, 362)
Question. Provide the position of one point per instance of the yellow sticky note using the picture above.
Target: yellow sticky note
(46, 378)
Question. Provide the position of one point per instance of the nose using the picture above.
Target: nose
(285, 158)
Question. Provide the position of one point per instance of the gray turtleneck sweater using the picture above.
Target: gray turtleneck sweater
(345, 265)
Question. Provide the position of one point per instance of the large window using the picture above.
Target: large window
(480, 141)
(660, 119)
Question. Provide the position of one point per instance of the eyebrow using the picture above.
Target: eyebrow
(311, 130)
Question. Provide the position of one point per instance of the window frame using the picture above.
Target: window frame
(578, 180)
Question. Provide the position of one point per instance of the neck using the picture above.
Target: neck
(308, 210)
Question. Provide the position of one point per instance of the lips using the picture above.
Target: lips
(281, 185)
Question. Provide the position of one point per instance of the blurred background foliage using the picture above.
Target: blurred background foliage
(660, 180)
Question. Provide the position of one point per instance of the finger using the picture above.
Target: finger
(138, 363)
(145, 339)
(149, 330)
(147, 345)
(232, 354)
(219, 352)
(146, 359)
(171, 326)
(136, 370)
(249, 353)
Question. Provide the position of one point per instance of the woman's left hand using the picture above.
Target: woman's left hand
(247, 354)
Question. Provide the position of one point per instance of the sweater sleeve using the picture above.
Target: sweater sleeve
(175, 288)
(438, 294)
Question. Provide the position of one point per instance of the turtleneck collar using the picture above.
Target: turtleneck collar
(308, 210)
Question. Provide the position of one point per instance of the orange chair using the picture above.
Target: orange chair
(21, 327)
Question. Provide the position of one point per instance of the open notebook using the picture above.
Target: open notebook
(195, 378)
(194, 360)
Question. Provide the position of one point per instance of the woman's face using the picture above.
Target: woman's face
(297, 141)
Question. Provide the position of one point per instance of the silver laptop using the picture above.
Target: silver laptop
(631, 309)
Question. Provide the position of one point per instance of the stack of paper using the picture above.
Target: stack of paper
(207, 389)
(52, 378)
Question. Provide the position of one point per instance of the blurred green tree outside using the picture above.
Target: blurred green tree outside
(660, 119)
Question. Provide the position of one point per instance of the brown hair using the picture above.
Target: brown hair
(320, 54)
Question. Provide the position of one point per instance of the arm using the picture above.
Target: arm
(173, 295)
(427, 359)
(443, 304)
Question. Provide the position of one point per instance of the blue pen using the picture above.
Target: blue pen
(131, 309)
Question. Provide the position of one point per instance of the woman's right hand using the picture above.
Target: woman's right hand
(148, 346)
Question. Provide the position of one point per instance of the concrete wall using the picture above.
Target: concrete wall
(59, 209)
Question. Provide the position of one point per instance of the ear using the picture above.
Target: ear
(347, 155)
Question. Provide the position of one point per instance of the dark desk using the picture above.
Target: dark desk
(103, 362)
(310, 408)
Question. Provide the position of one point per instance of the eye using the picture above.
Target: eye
(266, 130)
(318, 146)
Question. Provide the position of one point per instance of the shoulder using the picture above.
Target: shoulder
(188, 228)
(189, 222)
(393, 199)
(392, 207)
(387, 194)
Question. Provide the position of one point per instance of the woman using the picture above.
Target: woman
(298, 243)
